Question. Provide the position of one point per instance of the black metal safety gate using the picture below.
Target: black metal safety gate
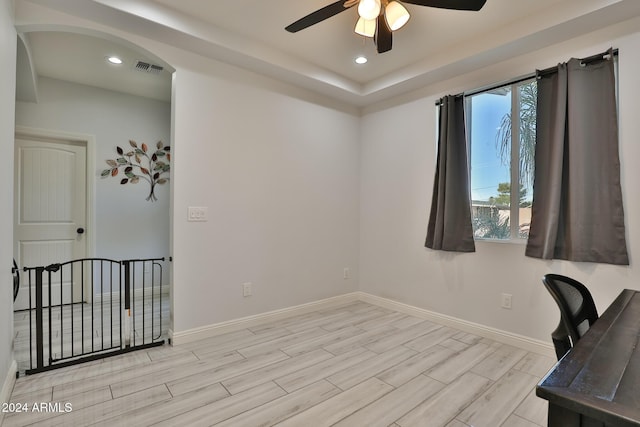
(121, 311)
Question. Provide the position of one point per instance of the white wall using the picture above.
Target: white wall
(7, 94)
(396, 187)
(127, 226)
(278, 171)
(280, 179)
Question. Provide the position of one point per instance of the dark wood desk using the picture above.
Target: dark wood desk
(598, 382)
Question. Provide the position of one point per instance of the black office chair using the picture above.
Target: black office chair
(577, 311)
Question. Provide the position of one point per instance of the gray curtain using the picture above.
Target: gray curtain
(577, 212)
(449, 226)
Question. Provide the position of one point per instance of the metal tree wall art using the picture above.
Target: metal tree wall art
(139, 163)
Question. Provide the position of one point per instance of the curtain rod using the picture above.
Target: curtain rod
(584, 61)
(546, 71)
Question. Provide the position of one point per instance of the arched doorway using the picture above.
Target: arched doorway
(70, 94)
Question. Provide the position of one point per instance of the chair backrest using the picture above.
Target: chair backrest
(577, 309)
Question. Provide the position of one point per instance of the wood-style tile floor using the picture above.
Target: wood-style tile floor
(350, 366)
(88, 328)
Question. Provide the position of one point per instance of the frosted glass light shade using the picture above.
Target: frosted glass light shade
(396, 15)
(366, 27)
(369, 9)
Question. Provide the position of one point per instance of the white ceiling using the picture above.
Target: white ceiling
(332, 44)
(250, 34)
(81, 59)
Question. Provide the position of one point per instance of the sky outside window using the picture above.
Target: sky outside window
(487, 170)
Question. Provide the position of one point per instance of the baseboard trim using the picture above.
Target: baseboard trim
(196, 334)
(137, 293)
(516, 340)
(7, 387)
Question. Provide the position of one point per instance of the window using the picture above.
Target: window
(502, 159)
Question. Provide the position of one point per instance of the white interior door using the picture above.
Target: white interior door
(50, 212)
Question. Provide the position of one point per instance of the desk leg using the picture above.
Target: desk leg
(563, 417)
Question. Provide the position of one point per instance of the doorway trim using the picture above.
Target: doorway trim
(55, 136)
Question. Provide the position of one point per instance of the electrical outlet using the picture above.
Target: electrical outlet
(346, 273)
(247, 290)
(197, 214)
(505, 301)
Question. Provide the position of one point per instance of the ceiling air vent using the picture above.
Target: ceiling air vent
(147, 67)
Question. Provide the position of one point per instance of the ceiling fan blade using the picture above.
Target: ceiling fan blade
(450, 4)
(383, 37)
(319, 16)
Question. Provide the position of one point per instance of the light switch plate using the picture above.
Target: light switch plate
(197, 214)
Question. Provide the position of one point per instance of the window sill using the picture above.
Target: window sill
(502, 241)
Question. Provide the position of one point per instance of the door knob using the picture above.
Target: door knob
(80, 230)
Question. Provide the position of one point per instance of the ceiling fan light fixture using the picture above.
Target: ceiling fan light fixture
(396, 15)
(365, 27)
(391, 18)
(369, 9)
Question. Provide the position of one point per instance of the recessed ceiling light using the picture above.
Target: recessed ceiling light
(361, 60)
(114, 60)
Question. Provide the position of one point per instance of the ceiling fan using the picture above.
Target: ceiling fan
(379, 18)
